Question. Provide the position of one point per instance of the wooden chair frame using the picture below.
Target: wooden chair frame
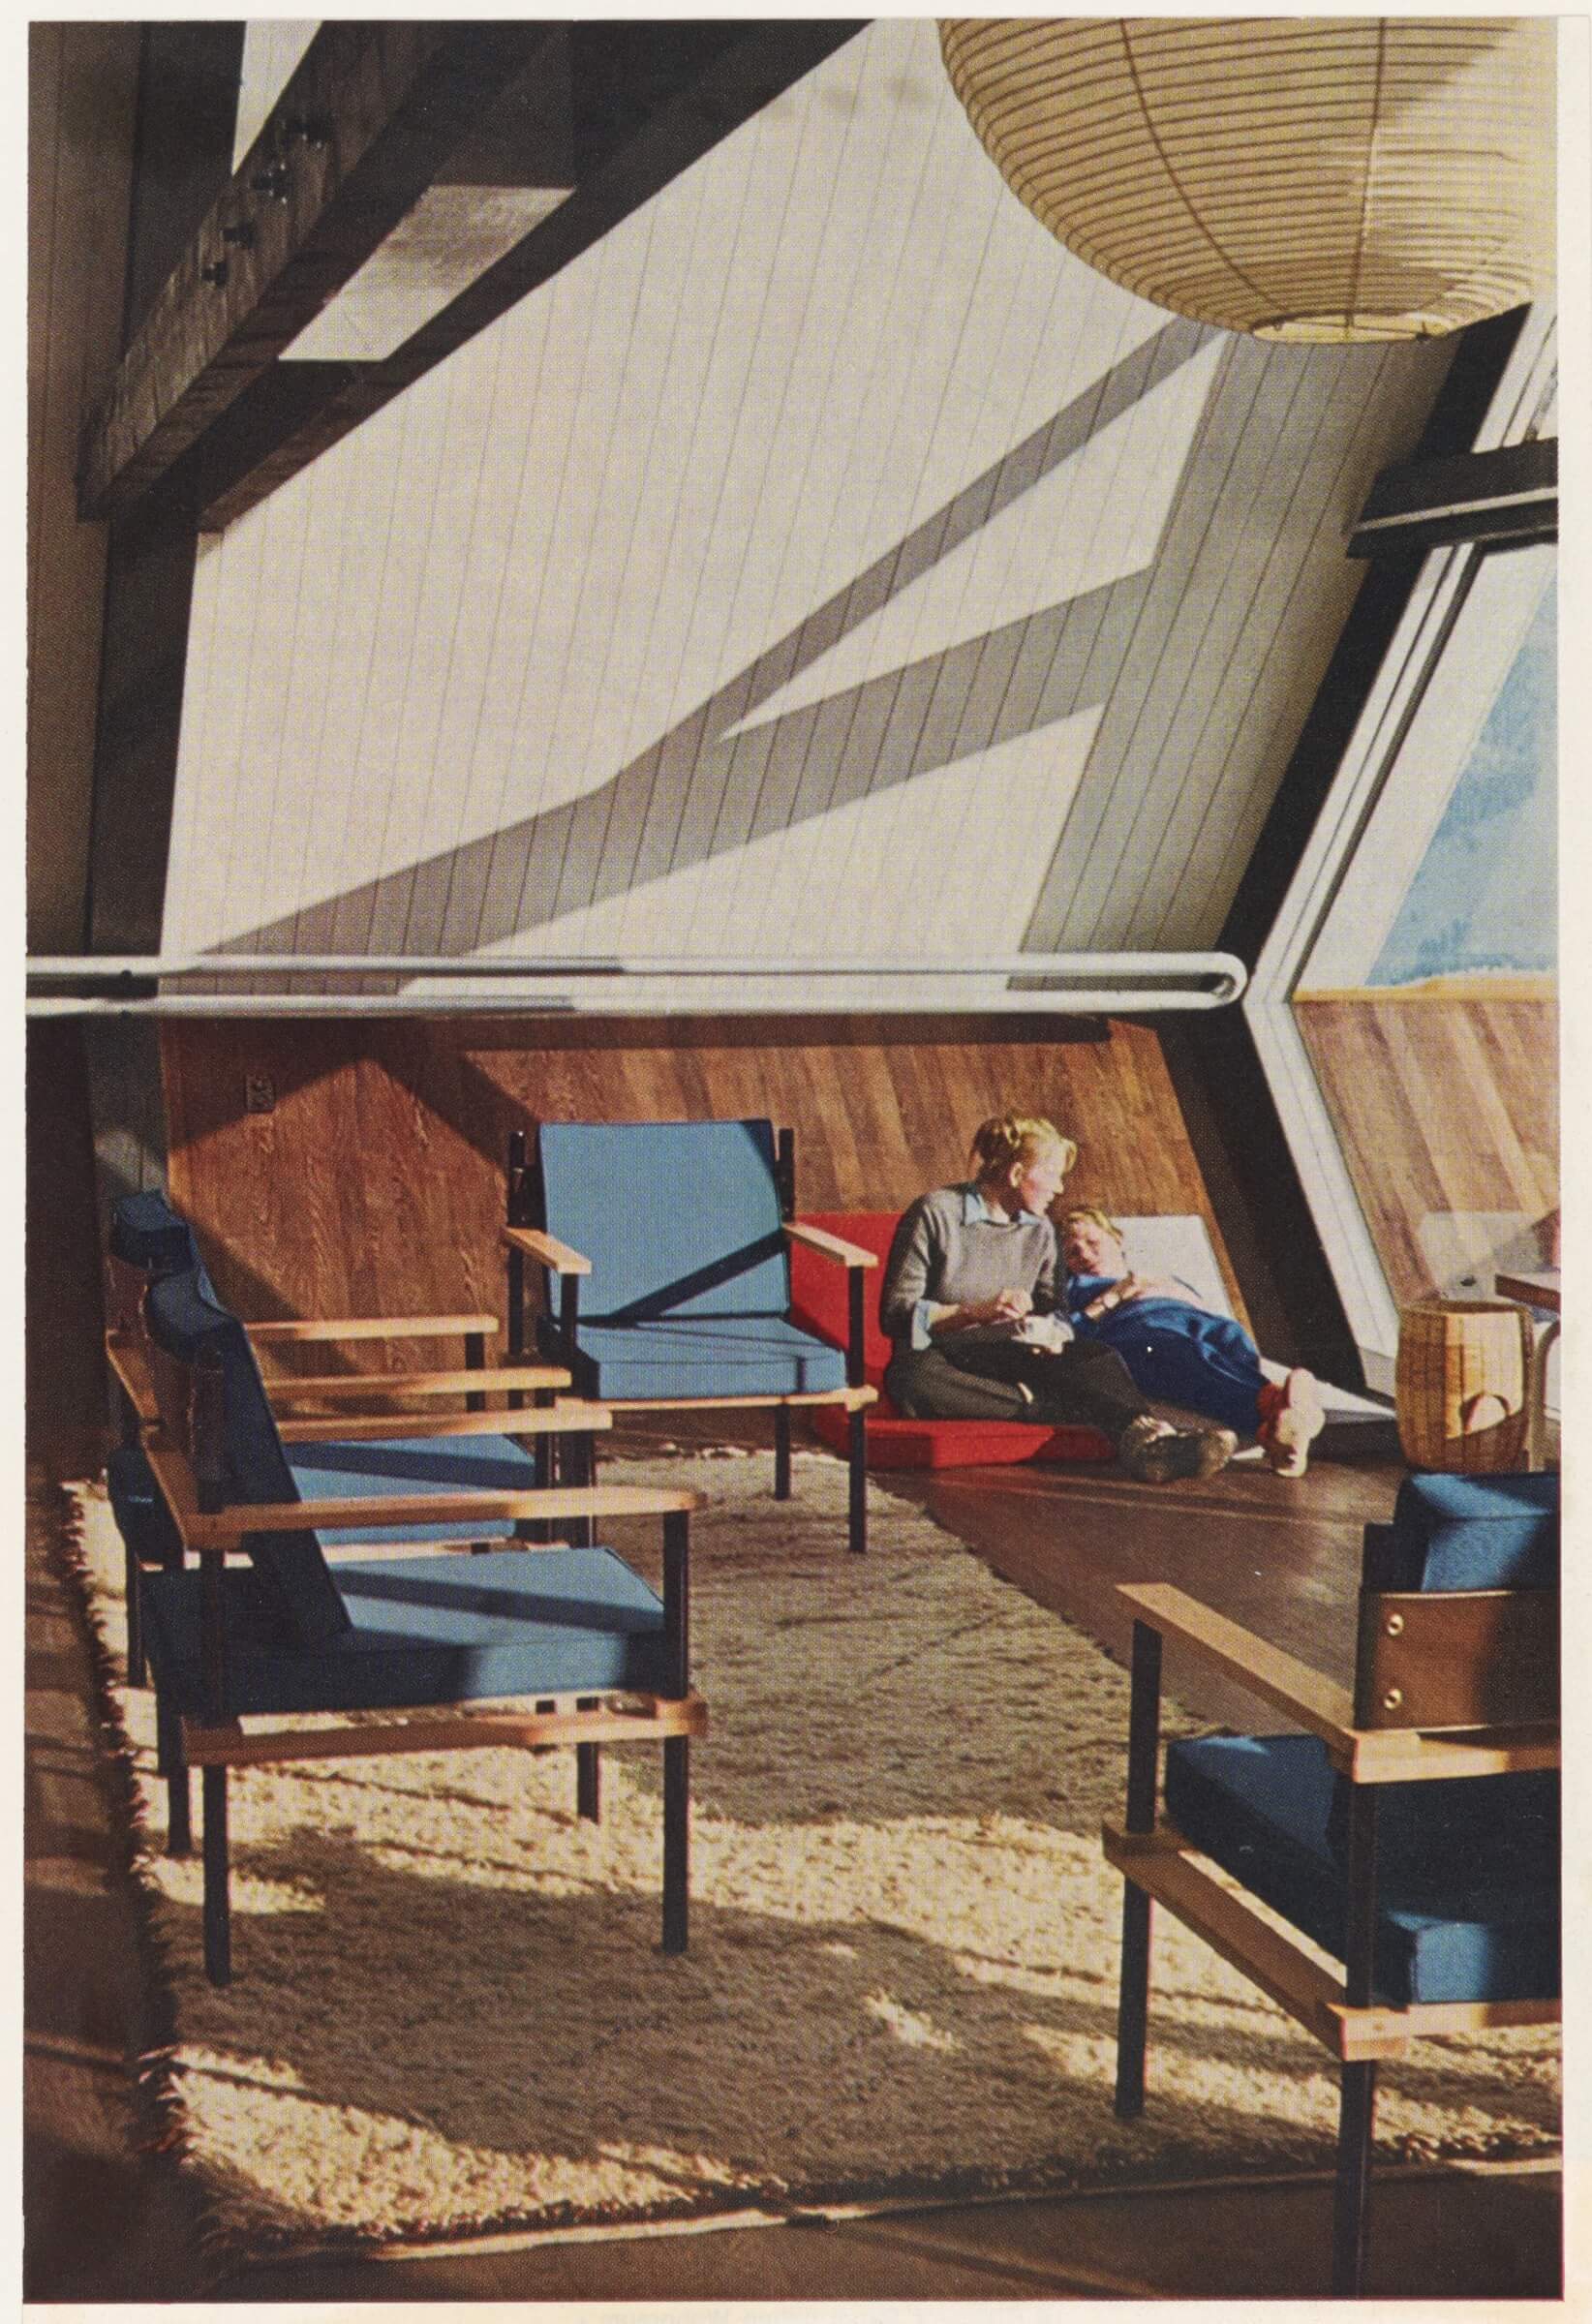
(177, 1411)
(524, 1238)
(1158, 1863)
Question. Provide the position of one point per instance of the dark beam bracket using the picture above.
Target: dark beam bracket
(1510, 494)
(370, 118)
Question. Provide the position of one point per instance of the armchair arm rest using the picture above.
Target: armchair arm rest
(349, 1388)
(1318, 1704)
(831, 1246)
(373, 1327)
(545, 1250)
(227, 1528)
(569, 1417)
(1366, 1756)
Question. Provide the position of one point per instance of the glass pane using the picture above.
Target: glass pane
(1485, 897)
(1428, 1005)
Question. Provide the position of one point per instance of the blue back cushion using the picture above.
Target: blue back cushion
(1468, 1533)
(677, 1217)
(188, 1321)
(148, 1233)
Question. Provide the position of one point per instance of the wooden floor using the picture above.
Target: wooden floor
(105, 2223)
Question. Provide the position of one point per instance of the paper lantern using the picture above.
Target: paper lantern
(1301, 178)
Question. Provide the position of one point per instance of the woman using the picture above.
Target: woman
(1181, 1353)
(971, 1304)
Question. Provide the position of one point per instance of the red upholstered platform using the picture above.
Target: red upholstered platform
(818, 1299)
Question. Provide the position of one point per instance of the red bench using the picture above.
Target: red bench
(818, 1300)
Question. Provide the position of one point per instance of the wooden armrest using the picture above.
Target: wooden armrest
(1318, 1704)
(350, 1387)
(569, 1417)
(373, 1327)
(227, 1528)
(547, 1250)
(850, 1254)
(128, 1362)
(1366, 1756)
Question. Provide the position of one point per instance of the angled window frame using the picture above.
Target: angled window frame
(1523, 408)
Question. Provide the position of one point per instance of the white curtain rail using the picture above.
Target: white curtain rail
(1125, 982)
(348, 1005)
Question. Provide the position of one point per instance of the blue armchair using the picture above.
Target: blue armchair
(669, 1244)
(1410, 1829)
(560, 1643)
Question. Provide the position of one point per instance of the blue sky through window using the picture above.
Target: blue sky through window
(1485, 897)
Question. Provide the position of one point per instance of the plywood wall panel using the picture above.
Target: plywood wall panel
(1446, 1107)
(826, 561)
(375, 1185)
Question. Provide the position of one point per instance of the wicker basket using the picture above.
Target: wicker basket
(1462, 1384)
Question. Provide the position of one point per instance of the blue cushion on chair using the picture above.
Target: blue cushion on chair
(423, 1629)
(1468, 1870)
(139, 1506)
(1468, 1533)
(677, 1217)
(712, 1356)
(147, 1232)
(443, 1464)
(191, 1324)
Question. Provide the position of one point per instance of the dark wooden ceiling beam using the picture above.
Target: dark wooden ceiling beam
(643, 100)
(1508, 494)
(373, 115)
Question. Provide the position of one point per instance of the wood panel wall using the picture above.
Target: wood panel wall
(1447, 1107)
(375, 1183)
(82, 87)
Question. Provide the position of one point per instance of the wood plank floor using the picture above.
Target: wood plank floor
(105, 2222)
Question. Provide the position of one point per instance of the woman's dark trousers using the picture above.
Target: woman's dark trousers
(1083, 1382)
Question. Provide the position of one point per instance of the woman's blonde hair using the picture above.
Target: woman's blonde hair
(1008, 1138)
(1099, 1218)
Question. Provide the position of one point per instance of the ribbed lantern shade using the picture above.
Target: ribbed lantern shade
(1328, 177)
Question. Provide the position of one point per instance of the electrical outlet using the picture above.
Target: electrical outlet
(258, 1093)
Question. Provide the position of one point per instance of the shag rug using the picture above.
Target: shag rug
(450, 2015)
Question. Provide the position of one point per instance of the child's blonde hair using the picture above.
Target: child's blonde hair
(1098, 1217)
(1006, 1139)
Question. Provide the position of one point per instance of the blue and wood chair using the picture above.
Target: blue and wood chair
(556, 1643)
(419, 1447)
(1410, 1829)
(669, 1244)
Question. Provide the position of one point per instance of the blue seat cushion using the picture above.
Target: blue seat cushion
(1468, 1870)
(1468, 1533)
(422, 1630)
(148, 1233)
(187, 1320)
(677, 1217)
(688, 1357)
(444, 1464)
(146, 1523)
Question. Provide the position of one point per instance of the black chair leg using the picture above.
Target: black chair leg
(676, 1841)
(589, 1782)
(1350, 2205)
(1133, 2003)
(782, 1453)
(218, 1913)
(857, 1539)
(173, 1762)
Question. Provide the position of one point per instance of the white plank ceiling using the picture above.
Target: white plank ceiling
(826, 564)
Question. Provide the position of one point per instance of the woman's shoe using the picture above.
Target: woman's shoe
(1292, 1425)
(1153, 1453)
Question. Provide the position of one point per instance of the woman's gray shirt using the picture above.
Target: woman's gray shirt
(951, 1248)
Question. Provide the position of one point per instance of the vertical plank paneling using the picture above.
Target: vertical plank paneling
(376, 1183)
(1445, 1107)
